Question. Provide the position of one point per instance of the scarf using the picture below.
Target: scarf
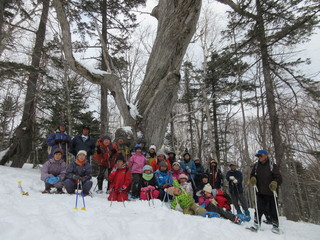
(80, 163)
(147, 177)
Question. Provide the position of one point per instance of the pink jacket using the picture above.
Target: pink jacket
(137, 162)
(203, 200)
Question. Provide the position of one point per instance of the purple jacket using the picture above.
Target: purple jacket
(84, 171)
(137, 162)
(53, 168)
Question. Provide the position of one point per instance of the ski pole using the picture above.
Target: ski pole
(76, 205)
(122, 198)
(151, 193)
(82, 194)
(164, 198)
(193, 182)
(112, 196)
(22, 192)
(256, 203)
(148, 197)
(275, 196)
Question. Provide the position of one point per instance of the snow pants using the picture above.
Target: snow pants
(266, 206)
(118, 196)
(236, 198)
(194, 209)
(149, 195)
(226, 214)
(135, 184)
(71, 186)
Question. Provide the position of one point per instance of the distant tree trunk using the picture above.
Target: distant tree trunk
(104, 109)
(22, 142)
(1, 19)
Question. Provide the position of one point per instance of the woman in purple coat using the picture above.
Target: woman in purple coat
(54, 171)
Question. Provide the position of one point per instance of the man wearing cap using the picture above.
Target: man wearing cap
(234, 177)
(266, 176)
(79, 174)
(105, 156)
(59, 139)
(83, 142)
(54, 171)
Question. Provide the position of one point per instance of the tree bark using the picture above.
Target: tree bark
(22, 142)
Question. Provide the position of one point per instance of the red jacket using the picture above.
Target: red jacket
(106, 158)
(120, 177)
(222, 200)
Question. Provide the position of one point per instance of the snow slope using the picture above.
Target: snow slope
(43, 216)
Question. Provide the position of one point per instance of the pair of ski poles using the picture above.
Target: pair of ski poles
(275, 196)
(120, 192)
(79, 185)
(164, 198)
(150, 195)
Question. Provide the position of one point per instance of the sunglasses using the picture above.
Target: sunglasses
(259, 156)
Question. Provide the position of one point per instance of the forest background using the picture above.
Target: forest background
(181, 74)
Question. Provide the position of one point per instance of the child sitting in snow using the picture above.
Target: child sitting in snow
(176, 171)
(183, 180)
(223, 199)
(148, 184)
(207, 200)
(120, 179)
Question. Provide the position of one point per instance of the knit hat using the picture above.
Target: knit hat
(183, 176)
(137, 146)
(170, 190)
(175, 163)
(83, 152)
(62, 124)
(186, 153)
(261, 152)
(207, 188)
(106, 137)
(147, 167)
(58, 150)
(85, 127)
(162, 164)
(213, 161)
(232, 164)
(154, 147)
(161, 153)
(204, 176)
(121, 158)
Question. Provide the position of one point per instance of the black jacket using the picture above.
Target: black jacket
(78, 144)
(265, 173)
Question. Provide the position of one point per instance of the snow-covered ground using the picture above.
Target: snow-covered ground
(43, 216)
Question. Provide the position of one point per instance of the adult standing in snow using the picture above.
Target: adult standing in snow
(188, 166)
(105, 156)
(54, 171)
(266, 176)
(234, 177)
(199, 171)
(83, 142)
(215, 174)
(123, 147)
(120, 180)
(58, 139)
(79, 171)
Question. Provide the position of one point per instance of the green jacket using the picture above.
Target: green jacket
(184, 199)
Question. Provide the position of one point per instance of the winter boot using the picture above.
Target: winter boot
(46, 191)
(211, 214)
(276, 229)
(237, 220)
(60, 191)
(99, 191)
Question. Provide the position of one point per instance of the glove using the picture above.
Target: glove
(76, 177)
(122, 188)
(57, 141)
(166, 185)
(113, 151)
(231, 178)
(214, 202)
(151, 188)
(144, 189)
(253, 181)
(188, 169)
(99, 150)
(235, 181)
(51, 180)
(199, 193)
(273, 186)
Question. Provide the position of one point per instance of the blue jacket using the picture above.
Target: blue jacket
(78, 144)
(52, 143)
(235, 188)
(163, 178)
(189, 164)
(84, 171)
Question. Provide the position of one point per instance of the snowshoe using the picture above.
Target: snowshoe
(252, 228)
(211, 214)
(276, 230)
(237, 220)
(244, 217)
(99, 192)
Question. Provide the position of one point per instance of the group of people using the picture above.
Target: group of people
(145, 173)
